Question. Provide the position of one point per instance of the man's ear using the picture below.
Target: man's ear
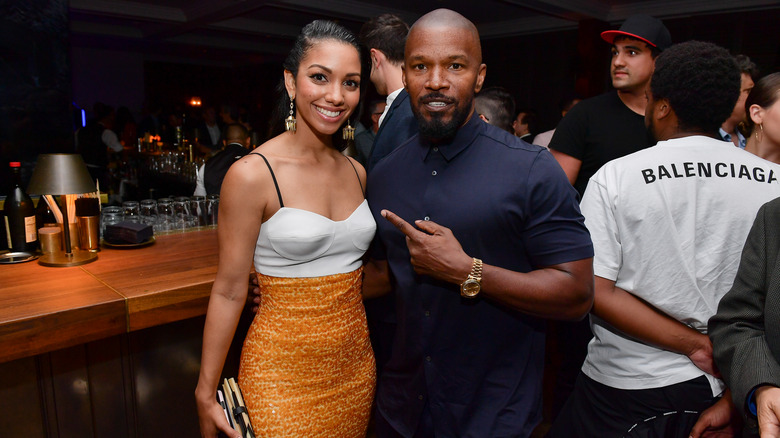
(376, 58)
(662, 109)
(403, 75)
(480, 77)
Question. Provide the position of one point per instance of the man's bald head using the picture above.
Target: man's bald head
(446, 20)
(237, 133)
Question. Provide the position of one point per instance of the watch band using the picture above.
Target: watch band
(476, 270)
(471, 287)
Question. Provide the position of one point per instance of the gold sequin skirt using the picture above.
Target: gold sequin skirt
(307, 368)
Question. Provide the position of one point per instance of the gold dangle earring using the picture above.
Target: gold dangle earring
(761, 128)
(348, 133)
(290, 123)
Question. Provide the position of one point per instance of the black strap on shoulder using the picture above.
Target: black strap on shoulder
(358, 175)
(278, 192)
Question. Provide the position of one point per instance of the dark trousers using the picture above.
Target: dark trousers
(600, 411)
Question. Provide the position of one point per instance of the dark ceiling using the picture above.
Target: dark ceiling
(251, 31)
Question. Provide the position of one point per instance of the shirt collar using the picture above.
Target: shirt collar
(463, 138)
(727, 137)
(389, 101)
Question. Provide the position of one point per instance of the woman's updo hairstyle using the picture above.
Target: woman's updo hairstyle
(764, 94)
(311, 34)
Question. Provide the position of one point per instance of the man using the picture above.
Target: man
(525, 125)
(364, 138)
(384, 37)
(596, 131)
(209, 132)
(495, 106)
(611, 125)
(543, 139)
(211, 174)
(468, 358)
(668, 224)
(729, 130)
(96, 140)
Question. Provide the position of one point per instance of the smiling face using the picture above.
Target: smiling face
(632, 64)
(443, 71)
(326, 89)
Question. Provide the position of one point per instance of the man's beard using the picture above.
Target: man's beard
(436, 128)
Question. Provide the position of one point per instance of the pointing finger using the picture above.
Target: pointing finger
(401, 224)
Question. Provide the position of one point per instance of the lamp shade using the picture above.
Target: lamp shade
(60, 174)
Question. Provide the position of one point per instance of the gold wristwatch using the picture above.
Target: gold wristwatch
(473, 284)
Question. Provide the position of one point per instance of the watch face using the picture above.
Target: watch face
(470, 288)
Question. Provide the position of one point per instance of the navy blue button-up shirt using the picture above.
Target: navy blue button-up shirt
(476, 363)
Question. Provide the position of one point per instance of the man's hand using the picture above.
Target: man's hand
(768, 405)
(701, 356)
(434, 249)
(721, 420)
(254, 292)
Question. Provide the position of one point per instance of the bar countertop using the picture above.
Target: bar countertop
(44, 309)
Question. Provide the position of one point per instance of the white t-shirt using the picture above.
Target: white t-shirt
(668, 225)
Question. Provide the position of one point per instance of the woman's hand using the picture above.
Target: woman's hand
(212, 419)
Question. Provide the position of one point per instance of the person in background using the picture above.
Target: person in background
(210, 175)
(125, 127)
(468, 355)
(495, 106)
(667, 223)
(364, 140)
(730, 129)
(384, 38)
(762, 125)
(595, 131)
(745, 331)
(209, 132)
(96, 140)
(524, 125)
(296, 207)
(543, 139)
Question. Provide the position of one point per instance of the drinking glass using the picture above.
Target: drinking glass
(164, 214)
(110, 216)
(212, 209)
(149, 212)
(198, 210)
(182, 218)
(132, 211)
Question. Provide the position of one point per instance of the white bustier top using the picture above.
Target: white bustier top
(299, 243)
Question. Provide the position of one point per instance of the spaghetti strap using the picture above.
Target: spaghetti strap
(358, 175)
(278, 192)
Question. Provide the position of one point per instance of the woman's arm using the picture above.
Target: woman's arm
(240, 217)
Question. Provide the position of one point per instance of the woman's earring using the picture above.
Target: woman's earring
(761, 137)
(289, 123)
(348, 133)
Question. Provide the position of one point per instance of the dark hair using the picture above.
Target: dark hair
(497, 105)
(529, 118)
(747, 66)
(386, 33)
(312, 33)
(764, 94)
(701, 82)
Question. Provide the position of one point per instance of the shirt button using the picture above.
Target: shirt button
(419, 397)
(427, 313)
(427, 358)
(433, 173)
(427, 218)
(436, 149)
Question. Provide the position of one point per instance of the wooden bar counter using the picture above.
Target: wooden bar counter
(110, 348)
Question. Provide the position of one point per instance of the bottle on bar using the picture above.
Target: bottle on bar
(21, 234)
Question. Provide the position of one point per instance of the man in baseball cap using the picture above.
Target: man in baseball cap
(598, 130)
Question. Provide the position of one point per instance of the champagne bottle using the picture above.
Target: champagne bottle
(21, 234)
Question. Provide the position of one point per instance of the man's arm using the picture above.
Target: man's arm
(570, 165)
(641, 321)
(562, 291)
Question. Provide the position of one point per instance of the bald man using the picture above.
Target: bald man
(496, 244)
(211, 174)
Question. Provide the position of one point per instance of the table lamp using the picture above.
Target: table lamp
(62, 174)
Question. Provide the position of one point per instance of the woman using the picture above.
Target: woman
(763, 118)
(297, 204)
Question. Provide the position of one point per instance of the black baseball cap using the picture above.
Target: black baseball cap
(643, 27)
